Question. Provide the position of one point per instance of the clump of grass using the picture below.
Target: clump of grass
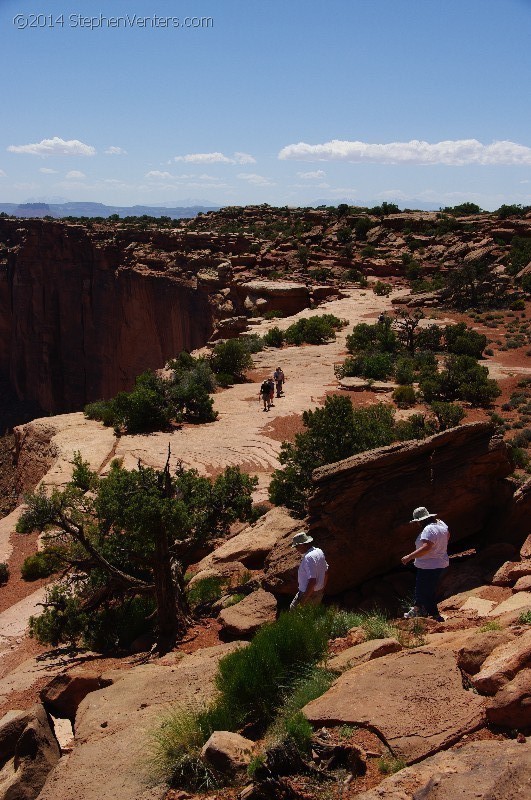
(346, 731)
(491, 625)
(375, 624)
(175, 751)
(525, 618)
(388, 765)
(205, 590)
(233, 600)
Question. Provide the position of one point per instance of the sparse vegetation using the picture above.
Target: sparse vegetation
(4, 573)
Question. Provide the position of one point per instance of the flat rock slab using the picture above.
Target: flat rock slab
(489, 770)
(244, 618)
(360, 653)
(362, 385)
(521, 601)
(414, 700)
(109, 759)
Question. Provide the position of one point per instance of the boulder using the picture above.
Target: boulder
(523, 584)
(11, 726)
(459, 472)
(511, 571)
(62, 696)
(29, 759)
(359, 653)
(486, 770)
(244, 618)
(286, 296)
(252, 545)
(479, 645)
(521, 601)
(108, 758)
(504, 662)
(228, 753)
(413, 700)
(511, 706)
(525, 550)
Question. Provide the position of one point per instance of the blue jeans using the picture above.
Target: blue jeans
(426, 590)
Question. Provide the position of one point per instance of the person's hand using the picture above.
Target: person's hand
(405, 560)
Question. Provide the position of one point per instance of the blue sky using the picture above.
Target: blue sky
(278, 101)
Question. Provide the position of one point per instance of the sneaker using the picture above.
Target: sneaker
(412, 613)
(438, 618)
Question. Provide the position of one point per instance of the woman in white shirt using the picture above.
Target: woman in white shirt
(430, 557)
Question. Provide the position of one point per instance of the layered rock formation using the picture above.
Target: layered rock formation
(361, 507)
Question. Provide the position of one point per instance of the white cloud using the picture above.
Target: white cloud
(115, 151)
(216, 158)
(75, 174)
(244, 158)
(256, 180)
(2, 174)
(47, 171)
(54, 147)
(156, 174)
(450, 152)
(204, 158)
(316, 175)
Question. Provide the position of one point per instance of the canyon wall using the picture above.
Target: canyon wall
(82, 311)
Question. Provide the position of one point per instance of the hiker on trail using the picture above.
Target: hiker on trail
(265, 394)
(313, 572)
(271, 383)
(279, 379)
(431, 558)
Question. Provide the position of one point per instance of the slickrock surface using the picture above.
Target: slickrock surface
(244, 618)
(359, 653)
(109, 758)
(413, 700)
(488, 770)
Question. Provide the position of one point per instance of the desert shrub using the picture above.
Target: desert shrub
(525, 618)
(519, 457)
(341, 621)
(518, 305)
(463, 209)
(382, 289)
(373, 366)
(175, 751)
(379, 337)
(205, 590)
(40, 565)
(520, 254)
(289, 721)
(274, 337)
(389, 764)
(492, 625)
(313, 330)
(4, 572)
(145, 408)
(82, 476)
(231, 357)
(404, 396)
(448, 415)
(414, 427)
(274, 314)
(464, 341)
(362, 226)
(332, 433)
(375, 623)
(253, 680)
(462, 379)
(101, 410)
(522, 439)
(526, 283)
(405, 370)
(513, 210)
(429, 338)
(224, 380)
(118, 625)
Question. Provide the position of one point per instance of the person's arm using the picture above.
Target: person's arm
(310, 586)
(424, 548)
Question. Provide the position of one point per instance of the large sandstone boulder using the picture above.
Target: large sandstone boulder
(243, 619)
(488, 770)
(228, 753)
(254, 543)
(478, 646)
(359, 653)
(511, 706)
(28, 752)
(109, 758)
(503, 664)
(62, 696)
(361, 507)
(414, 700)
(286, 296)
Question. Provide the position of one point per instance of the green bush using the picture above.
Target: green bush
(101, 410)
(224, 380)
(4, 572)
(379, 337)
(332, 433)
(525, 618)
(144, 408)
(274, 314)
(313, 330)
(404, 396)
(414, 427)
(289, 722)
(232, 358)
(526, 284)
(205, 590)
(518, 305)
(40, 565)
(462, 379)
(405, 370)
(382, 289)
(372, 366)
(520, 254)
(448, 415)
(362, 226)
(274, 337)
(464, 341)
(389, 764)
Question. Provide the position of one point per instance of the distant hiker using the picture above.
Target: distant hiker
(279, 379)
(313, 571)
(265, 394)
(430, 557)
(271, 383)
(382, 318)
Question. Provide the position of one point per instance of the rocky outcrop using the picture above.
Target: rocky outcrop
(228, 753)
(414, 700)
(243, 619)
(503, 664)
(511, 706)
(285, 296)
(361, 507)
(62, 696)
(28, 752)
(360, 653)
(482, 770)
(478, 647)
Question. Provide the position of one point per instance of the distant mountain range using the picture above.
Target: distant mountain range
(99, 210)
